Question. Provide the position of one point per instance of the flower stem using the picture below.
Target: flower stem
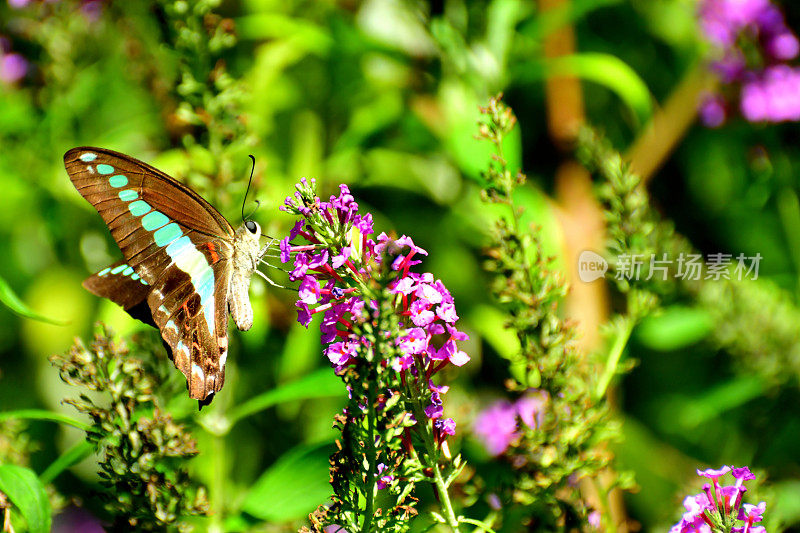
(423, 427)
(614, 356)
(371, 459)
(218, 485)
(444, 497)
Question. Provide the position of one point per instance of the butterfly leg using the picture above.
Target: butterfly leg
(270, 281)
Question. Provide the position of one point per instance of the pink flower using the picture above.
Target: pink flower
(703, 509)
(13, 68)
(530, 407)
(712, 111)
(496, 426)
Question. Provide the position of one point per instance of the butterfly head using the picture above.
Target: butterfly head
(248, 235)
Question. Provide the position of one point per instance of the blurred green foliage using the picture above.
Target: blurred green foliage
(384, 95)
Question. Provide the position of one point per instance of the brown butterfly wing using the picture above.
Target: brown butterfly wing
(177, 243)
(193, 318)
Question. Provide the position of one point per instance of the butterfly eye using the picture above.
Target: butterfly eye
(251, 226)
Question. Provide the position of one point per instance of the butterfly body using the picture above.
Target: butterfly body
(247, 253)
(184, 267)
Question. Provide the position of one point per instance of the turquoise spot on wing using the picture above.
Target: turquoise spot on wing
(117, 181)
(204, 285)
(167, 234)
(139, 208)
(143, 282)
(88, 157)
(127, 195)
(119, 269)
(105, 169)
(104, 271)
(135, 276)
(176, 248)
(154, 220)
(127, 272)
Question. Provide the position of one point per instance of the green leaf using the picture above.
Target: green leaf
(321, 384)
(41, 414)
(604, 69)
(715, 402)
(12, 301)
(787, 500)
(292, 487)
(674, 328)
(274, 26)
(27, 494)
(611, 72)
(491, 324)
(73, 456)
(550, 20)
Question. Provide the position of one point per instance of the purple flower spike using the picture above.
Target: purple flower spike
(333, 271)
(752, 44)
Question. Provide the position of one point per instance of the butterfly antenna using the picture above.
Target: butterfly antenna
(244, 200)
(253, 212)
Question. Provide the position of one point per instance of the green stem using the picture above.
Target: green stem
(432, 454)
(789, 213)
(218, 485)
(602, 500)
(444, 497)
(74, 455)
(371, 459)
(509, 201)
(613, 357)
(480, 525)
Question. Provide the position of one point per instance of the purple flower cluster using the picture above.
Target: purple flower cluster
(769, 88)
(334, 272)
(774, 96)
(718, 507)
(497, 427)
(13, 66)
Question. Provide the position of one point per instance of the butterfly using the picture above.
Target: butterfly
(184, 268)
